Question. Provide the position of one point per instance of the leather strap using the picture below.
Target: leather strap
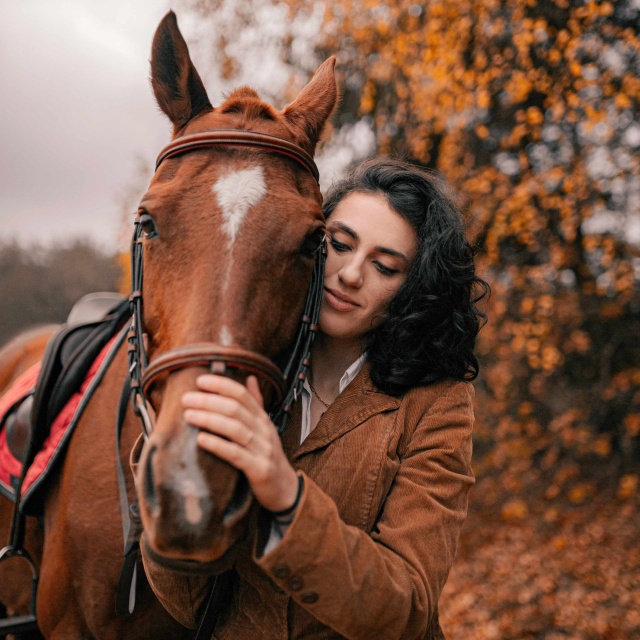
(129, 518)
(240, 138)
(206, 355)
(218, 601)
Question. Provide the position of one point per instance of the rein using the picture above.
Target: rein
(286, 384)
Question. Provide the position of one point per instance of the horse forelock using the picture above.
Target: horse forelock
(250, 108)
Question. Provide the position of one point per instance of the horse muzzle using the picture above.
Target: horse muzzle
(193, 505)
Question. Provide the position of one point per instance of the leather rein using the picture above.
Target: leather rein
(285, 384)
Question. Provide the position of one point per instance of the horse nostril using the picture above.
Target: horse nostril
(149, 485)
(239, 503)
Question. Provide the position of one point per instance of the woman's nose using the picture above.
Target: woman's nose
(351, 273)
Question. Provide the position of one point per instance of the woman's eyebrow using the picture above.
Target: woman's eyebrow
(349, 231)
(392, 252)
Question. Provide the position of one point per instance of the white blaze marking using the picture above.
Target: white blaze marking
(193, 488)
(192, 508)
(236, 194)
(225, 336)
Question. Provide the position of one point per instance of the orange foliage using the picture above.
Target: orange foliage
(528, 109)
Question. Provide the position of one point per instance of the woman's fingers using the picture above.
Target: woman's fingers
(254, 389)
(230, 389)
(221, 425)
(231, 452)
(235, 427)
(215, 403)
(228, 409)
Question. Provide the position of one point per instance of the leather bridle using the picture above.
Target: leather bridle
(286, 384)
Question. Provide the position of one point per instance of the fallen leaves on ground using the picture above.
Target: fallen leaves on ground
(562, 572)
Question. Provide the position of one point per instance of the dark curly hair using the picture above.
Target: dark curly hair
(431, 324)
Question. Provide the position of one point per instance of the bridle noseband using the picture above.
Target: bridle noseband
(285, 384)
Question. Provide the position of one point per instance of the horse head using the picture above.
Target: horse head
(229, 237)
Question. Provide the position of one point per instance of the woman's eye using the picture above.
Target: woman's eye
(311, 243)
(340, 247)
(385, 271)
(148, 226)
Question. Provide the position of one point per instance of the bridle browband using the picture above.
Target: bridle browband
(285, 384)
(239, 138)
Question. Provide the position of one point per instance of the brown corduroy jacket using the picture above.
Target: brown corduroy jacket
(375, 534)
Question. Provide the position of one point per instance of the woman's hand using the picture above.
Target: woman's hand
(236, 428)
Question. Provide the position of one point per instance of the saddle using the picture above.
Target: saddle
(70, 353)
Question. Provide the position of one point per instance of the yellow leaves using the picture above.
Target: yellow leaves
(552, 492)
(622, 383)
(483, 99)
(514, 139)
(579, 341)
(580, 492)
(480, 60)
(627, 486)
(535, 117)
(554, 57)
(519, 87)
(602, 447)
(632, 425)
(367, 101)
(550, 358)
(515, 509)
(622, 101)
(123, 260)
(527, 306)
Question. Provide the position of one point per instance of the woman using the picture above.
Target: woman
(364, 498)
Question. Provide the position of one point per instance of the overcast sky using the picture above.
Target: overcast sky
(77, 116)
(79, 128)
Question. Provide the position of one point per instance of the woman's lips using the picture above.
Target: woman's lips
(338, 302)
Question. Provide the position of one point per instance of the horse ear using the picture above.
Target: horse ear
(176, 84)
(309, 112)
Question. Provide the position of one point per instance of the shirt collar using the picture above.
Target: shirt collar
(352, 371)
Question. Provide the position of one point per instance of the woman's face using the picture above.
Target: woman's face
(370, 250)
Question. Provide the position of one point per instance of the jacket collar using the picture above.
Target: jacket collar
(358, 402)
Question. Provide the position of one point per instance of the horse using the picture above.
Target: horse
(229, 233)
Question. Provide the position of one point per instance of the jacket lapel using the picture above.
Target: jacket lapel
(291, 436)
(358, 402)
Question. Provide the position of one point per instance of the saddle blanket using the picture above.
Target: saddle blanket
(61, 428)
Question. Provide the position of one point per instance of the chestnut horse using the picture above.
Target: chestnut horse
(229, 233)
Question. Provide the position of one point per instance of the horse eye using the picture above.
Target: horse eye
(148, 226)
(311, 243)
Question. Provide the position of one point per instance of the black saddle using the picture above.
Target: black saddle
(69, 354)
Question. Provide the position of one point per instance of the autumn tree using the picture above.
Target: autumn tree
(529, 108)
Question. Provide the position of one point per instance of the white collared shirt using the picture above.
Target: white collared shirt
(305, 396)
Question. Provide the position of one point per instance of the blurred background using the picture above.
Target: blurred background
(529, 108)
